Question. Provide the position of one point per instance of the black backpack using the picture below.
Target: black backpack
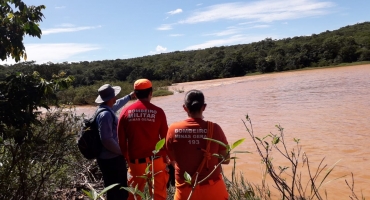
(88, 141)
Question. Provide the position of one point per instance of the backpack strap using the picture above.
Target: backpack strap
(99, 110)
(207, 155)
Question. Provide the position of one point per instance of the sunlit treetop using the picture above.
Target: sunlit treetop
(17, 20)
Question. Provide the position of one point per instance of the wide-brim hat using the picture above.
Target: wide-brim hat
(107, 92)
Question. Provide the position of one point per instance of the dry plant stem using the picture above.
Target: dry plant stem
(352, 188)
(152, 177)
(295, 189)
(314, 177)
(292, 159)
(279, 183)
(196, 177)
(192, 188)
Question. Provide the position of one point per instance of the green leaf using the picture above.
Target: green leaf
(241, 152)
(217, 155)
(282, 169)
(144, 177)
(106, 189)
(275, 140)
(88, 193)
(187, 177)
(237, 143)
(140, 193)
(160, 144)
(147, 168)
(266, 136)
(234, 158)
(129, 189)
(327, 173)
(216, 141)
(257, 138)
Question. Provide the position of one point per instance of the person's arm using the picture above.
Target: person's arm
(221, 149)
(105, 122)
(122, 101)
(169, 149)
(163, 132)
(122, 141)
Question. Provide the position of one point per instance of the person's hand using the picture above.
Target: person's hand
(132, 95)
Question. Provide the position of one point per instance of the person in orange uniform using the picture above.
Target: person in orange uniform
(141, 125)
(186, 149)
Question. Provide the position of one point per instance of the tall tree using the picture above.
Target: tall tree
(17, 20)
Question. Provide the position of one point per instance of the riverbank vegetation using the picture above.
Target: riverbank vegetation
(346, 45)
(38, 155)
(87, 94)
(39, 158)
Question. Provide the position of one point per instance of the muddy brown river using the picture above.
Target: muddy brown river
(327, 109)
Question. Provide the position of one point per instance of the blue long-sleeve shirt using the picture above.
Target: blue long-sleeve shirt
(107, 124)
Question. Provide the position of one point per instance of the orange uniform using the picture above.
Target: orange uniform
(141, 125)
(186, 145)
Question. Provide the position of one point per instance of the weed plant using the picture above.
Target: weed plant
(49, 166)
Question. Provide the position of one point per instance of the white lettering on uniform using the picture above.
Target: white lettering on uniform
(141, 115)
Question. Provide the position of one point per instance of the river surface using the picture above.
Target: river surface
(327, 109)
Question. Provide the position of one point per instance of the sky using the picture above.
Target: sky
(91, 30)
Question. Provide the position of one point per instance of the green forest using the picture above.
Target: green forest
(345, 45)
(39, 158)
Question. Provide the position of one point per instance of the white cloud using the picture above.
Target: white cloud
(176, 35)
(67, 28)
(224, 33)
(43, 53)
(234, 30)
(199, 4)
(236, 39)
(173, 12)
(165, 27)
(66, 25)
(159, 49)
(261, 26)
(60, 7)
(261, 11)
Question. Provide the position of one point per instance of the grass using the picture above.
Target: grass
(162, 92)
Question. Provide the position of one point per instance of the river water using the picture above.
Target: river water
(327, 109)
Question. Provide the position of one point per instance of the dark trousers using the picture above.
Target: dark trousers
(114, 171)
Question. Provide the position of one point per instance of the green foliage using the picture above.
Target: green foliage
(23, 94)
(94, 195)
(187, 178)
(17, 20)
(36, 150)
(159, 93)
(44, 162)
(148, 175)
(159, 145)
(288, 179)
(87, 94)
(135, 191)
(345, 45)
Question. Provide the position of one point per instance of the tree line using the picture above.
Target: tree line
(345, 45)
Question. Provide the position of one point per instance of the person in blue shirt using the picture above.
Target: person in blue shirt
(111, 162)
